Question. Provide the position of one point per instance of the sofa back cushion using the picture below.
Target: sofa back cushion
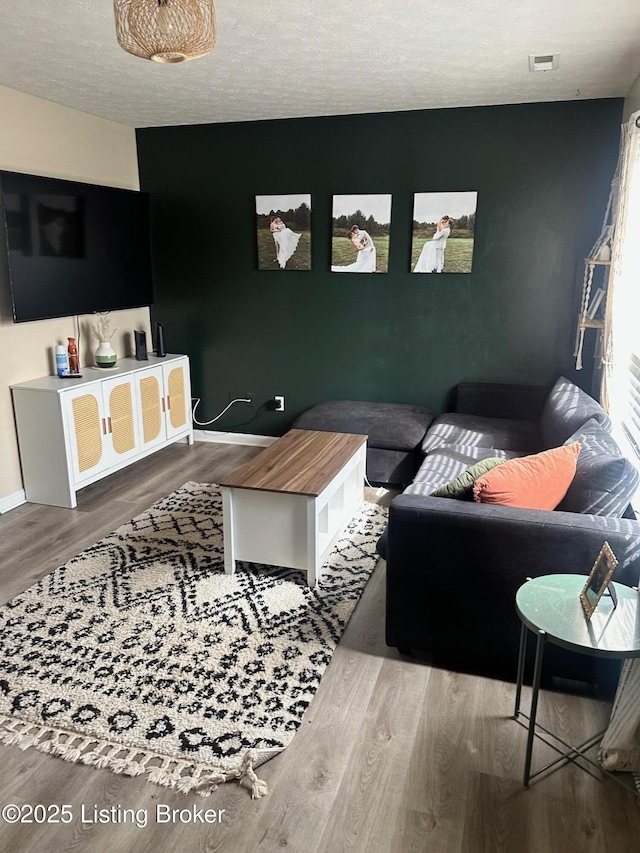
(532, 482)
(457, 429)
(566, 409)
(605, 481)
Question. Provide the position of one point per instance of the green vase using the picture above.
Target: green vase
(105, 355)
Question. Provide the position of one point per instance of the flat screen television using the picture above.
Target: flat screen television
(74, 248)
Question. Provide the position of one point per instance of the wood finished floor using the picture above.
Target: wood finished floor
(392, 756)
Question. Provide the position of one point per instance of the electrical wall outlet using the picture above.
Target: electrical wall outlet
(279, 404)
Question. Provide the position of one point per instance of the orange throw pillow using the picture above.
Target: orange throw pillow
(532, 482)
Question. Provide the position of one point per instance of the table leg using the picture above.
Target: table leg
(537, 671)
(313, 569)
(228, 535)
(521, 654)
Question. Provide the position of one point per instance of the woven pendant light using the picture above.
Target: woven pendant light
(165, 30)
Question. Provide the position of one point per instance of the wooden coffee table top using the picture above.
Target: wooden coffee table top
(302, 462)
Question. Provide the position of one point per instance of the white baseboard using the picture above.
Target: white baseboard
(233, 438)
(12, 501)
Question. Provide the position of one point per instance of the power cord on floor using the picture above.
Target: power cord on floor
(217, 417)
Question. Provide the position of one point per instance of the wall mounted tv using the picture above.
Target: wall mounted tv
(74, 248)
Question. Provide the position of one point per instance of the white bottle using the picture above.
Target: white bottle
(62, 361)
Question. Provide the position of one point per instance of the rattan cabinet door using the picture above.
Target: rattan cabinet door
(178, 401)
(87, 425)
(122, 429)
(151, 407)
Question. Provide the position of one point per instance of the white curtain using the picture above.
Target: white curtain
(620, 747)
(621, 375)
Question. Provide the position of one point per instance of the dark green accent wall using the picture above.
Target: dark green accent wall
(542, 173)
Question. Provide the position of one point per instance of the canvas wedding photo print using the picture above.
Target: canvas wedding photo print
(360, 233)
(283, 227)
(443, 232)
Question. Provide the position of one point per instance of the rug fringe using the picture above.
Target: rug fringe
(259, 787)
(185, 776)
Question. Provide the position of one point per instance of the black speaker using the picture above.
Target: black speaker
(161, 350)
(140, 337)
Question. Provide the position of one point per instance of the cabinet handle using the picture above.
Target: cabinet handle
(168, 403)
(163, 406)
(109, 424)
(104, 426)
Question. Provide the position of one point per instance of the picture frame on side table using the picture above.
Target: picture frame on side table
(598, 580)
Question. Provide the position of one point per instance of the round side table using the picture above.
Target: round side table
(550, 607)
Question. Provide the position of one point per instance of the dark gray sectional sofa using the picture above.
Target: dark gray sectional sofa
(454, 566)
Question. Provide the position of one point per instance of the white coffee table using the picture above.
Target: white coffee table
(288, 505)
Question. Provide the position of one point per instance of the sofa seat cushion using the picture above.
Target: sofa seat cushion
(391, 468)
(533, 482)
(605, 481)
(445, 464)
(566, 410)
(475, 430)
(393, 426)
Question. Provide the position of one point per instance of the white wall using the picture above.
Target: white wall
(43, 138)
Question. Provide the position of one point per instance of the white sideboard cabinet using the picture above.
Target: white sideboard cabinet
(73, 432)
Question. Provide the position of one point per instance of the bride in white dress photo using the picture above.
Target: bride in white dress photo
(366, 260)
(432, 255)
(285, 239)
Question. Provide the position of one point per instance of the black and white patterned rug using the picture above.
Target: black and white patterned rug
(142, 656)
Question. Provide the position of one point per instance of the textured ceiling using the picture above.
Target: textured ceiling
(288, 58)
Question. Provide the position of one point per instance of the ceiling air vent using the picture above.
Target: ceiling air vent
(544, 61)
